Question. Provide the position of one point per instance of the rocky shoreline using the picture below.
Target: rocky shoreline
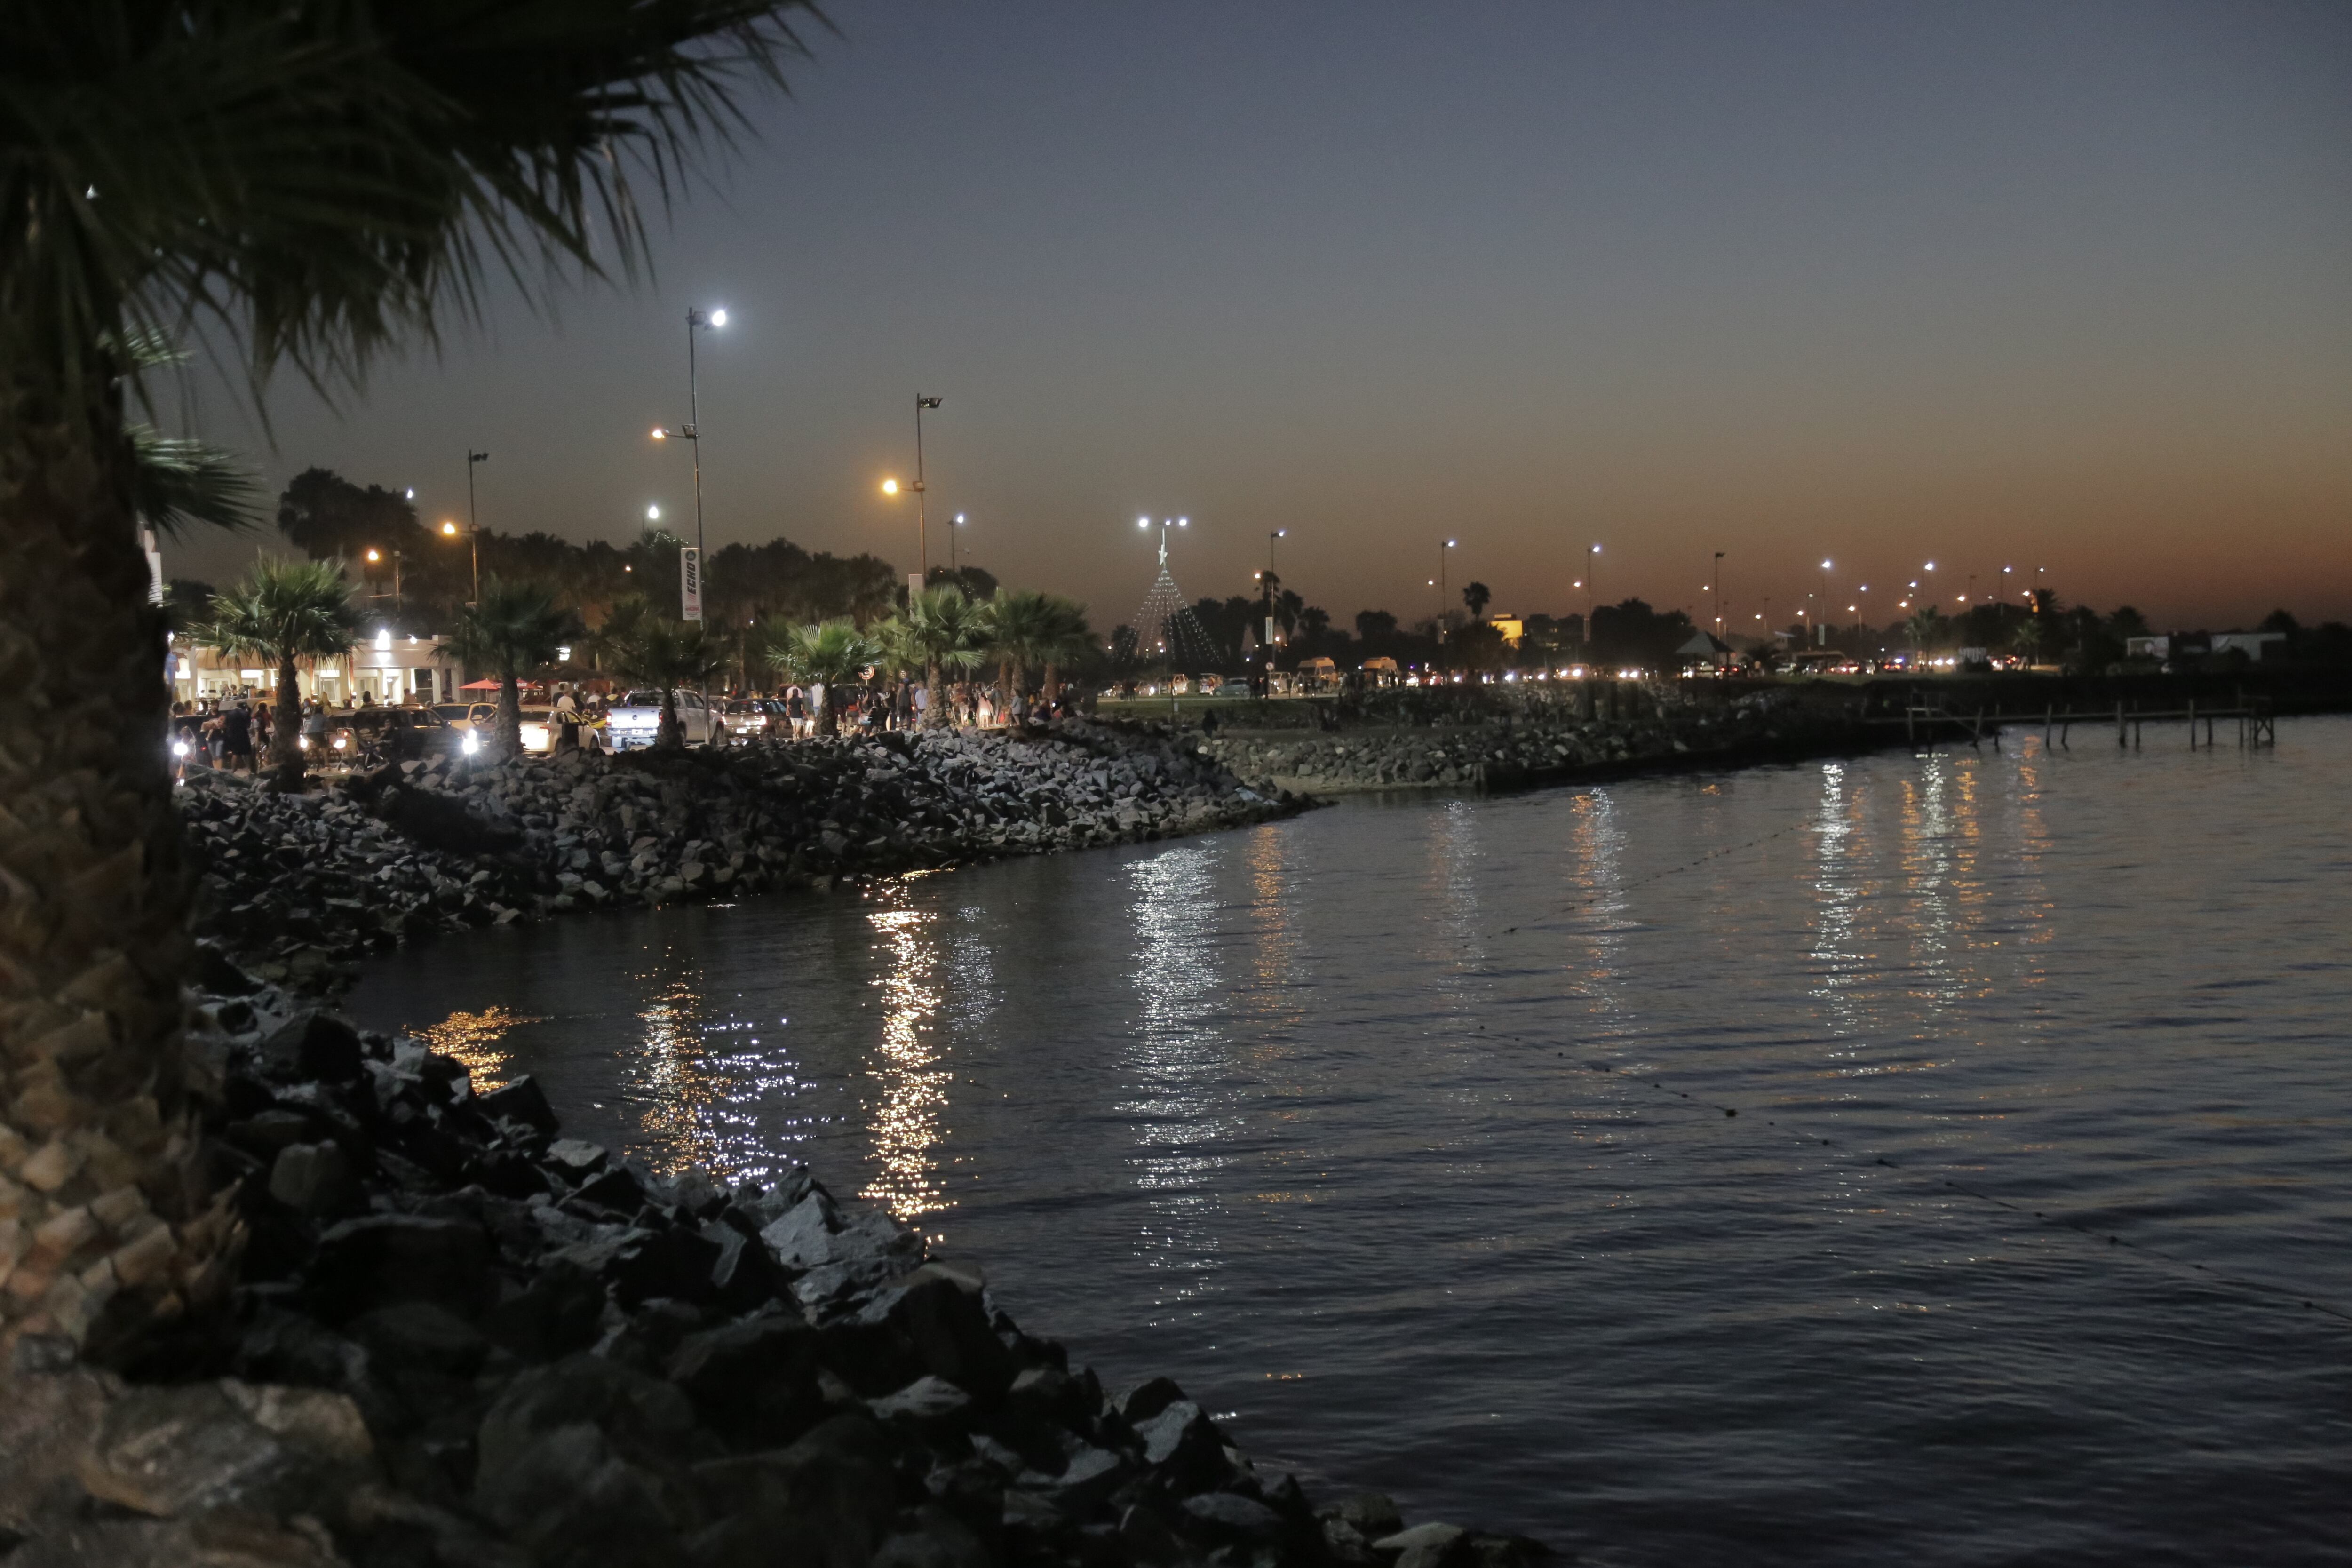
(1532, 743)
(460, 1338)
(299, 885)
(457, 1337)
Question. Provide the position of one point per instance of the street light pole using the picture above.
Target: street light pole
(1268, 582)
(1820, 631)
(473, 519)
(1722, 658)
(922, 537)
(1442, 558)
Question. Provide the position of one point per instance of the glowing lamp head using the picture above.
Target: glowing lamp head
(449, 529)
(660, 434)
(1825, 565)
(1143, 522)
(889, 486)
(374, 556)
(718, 318)
(410, 493)
(1184, 522)
(959, 518)
(653, 515)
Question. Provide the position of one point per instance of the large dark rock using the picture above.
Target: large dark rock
(520, 1099)
(752, 1383)
(826, 1501)
(314, 1044)
(386, 1259)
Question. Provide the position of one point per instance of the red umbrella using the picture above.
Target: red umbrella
(479, 685)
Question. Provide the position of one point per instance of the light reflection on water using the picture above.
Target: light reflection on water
(1181, 1104)
(905, 1121)
(1313, 1118)
(472, 1039)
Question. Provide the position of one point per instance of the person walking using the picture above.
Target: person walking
(237, 739)
(567, 719)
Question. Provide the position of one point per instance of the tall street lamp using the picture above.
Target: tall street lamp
(922, 541)
(1723, 655)
(1441, 557)
(375, 556)
(952, 528)
(1822, 630)
(697, 319)
(449, 530)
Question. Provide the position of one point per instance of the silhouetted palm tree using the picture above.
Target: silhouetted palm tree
(283, 613)
(668, 655)
(941, 630)
(1067, 639)
(831, 654)
(513, 630)
(324, 181)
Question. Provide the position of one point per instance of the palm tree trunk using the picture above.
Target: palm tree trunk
(509, 715)
(671, 736)
(825, 720)
(935, 709)
(112, 1231)
(1050, 686)
(285, 731)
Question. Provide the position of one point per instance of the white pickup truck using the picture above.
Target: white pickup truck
(634, 721)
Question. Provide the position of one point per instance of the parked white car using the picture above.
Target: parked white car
(634, 721)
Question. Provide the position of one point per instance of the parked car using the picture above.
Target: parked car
(364, 737)
(634, 721)
(540, 729)
(750, 718)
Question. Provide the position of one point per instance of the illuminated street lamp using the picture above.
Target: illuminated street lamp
(697, 319)
(449, 530)
(1441, 557)
(374, 556)
(951, 544)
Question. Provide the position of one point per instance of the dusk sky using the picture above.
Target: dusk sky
(1989, 284)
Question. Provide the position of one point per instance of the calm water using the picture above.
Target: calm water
(1398, 1132)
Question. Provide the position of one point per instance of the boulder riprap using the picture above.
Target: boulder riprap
(298, 881)
(459, 1337)
(1569, 736)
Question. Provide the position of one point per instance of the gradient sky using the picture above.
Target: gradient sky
(2064, 285)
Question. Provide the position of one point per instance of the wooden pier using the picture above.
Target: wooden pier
(2256, 724)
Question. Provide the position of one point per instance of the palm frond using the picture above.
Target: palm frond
(321, 178)
(180, 483)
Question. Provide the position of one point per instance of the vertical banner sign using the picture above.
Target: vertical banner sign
(689, 583)
(914, 585)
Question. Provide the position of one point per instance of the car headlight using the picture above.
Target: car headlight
(302, 742)
(338, 742)
(473, 742)
(179, 748)
(534, 735)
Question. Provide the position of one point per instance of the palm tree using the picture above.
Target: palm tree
(1022, 630)
(830, 654)
(513, 627)
(668, 655)
(1067, 639)
(941, 630)
(325, 182)
(285, 612)
(1924, 627)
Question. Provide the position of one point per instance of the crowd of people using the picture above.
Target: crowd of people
(235, 731)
